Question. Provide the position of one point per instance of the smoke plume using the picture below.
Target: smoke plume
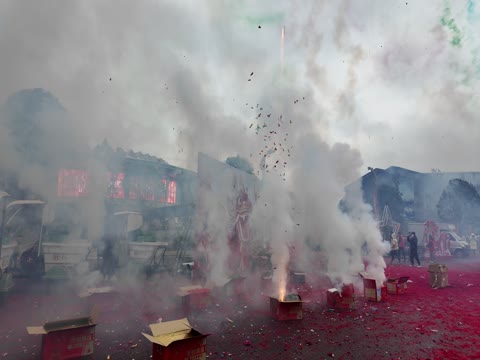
(175, 78)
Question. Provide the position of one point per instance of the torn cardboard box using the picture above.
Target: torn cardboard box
(374, 289)
(67, 339)
(344, 299)
(177, 340)
(288, 309)
(438, 275)
(396, 286)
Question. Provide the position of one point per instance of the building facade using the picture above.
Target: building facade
(420, 192)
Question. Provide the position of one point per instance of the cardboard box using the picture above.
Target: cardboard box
(194, 298)
(438, 275)
(67, 339)
(348, 290)
(235, 287)
(397, 286)
(286, 309)
(335, 300)
(105, 299)
(438, 268)
(177, 340)
(374, 290)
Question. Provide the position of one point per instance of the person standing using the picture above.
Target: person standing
(394, 249)
(413, 241)
(108, 259)
(473, 244)
(401, 247)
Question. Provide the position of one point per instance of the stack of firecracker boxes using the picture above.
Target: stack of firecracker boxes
(177, 339)
(172, 340)
(374, 290)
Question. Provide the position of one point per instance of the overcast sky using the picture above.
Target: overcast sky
(396, 80)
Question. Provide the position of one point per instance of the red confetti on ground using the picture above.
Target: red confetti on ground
(423, 323)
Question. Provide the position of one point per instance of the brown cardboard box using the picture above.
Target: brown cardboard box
(286, 309)
(374, 290)
(177, 340)
(438, 275)
(397, 286)
(335, 300)
(194, 298)
(67, 339)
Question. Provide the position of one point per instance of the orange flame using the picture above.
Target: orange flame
(282, 284)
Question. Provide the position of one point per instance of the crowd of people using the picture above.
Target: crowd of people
(399, 244)
(398, 248)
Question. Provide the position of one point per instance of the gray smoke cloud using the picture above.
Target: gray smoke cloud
(171, 61)
(38, 139)
(272, 221)
(174, 78)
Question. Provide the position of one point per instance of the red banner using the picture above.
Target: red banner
(225, 201)
(74, 183)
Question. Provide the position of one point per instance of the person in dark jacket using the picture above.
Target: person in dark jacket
(109, 261)
(413, 241)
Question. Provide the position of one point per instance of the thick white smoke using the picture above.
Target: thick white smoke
(318, 177)
(174, 78)
(272, 221)
(218, 224)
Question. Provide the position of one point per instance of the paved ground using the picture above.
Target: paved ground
(424, 323)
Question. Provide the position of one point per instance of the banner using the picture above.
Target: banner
(226, 197)
(441, 240)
